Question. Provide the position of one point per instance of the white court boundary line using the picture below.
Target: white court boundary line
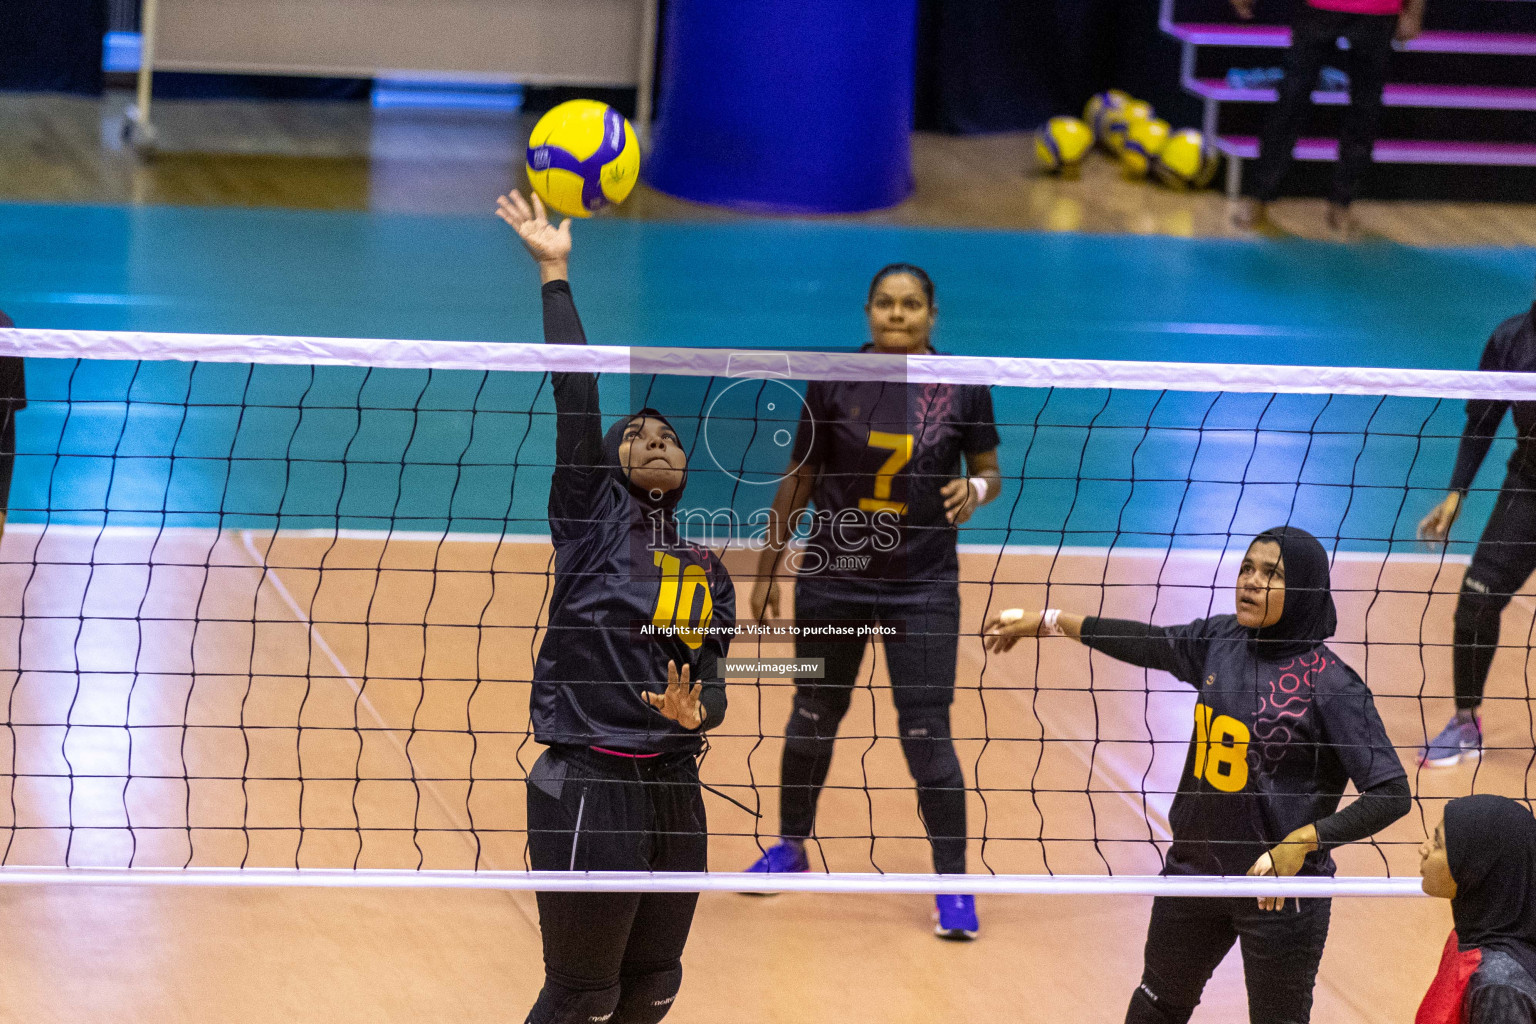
(681, 881)
(1003, 371)
(270, 577)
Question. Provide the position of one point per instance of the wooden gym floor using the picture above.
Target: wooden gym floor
(321, 155)
(242, 638)
(144, 954)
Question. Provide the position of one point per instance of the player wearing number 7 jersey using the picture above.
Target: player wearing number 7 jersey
(881, 461)
(1281, 726)
(624, 684)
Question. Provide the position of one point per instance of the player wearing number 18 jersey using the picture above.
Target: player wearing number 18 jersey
(624, 684)
(882, 463)
(1281, 726)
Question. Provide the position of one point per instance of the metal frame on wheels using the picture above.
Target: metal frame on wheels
(139, 129)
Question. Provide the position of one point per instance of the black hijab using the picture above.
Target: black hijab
(611, 442)
(1490, 845)
(1308, 617)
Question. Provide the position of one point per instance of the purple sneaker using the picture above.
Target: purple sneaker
(782, 858)
(954, 918)
(1458, 741)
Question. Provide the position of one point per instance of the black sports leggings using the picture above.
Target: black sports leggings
(615, 953)
(1504, 560)
(1189, 936)
(922, 669)
(1313, 39)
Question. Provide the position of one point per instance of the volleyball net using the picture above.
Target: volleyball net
(270, 606)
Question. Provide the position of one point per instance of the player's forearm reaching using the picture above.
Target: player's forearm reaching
(1281, 726)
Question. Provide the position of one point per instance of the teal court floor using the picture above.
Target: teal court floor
(164, 444)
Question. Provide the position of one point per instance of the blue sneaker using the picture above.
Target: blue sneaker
(954, 918)
(782, 858)
(1458, 741)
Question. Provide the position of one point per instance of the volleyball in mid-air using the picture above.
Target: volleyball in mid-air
(1144, 139)
(1186, 160)
(1061, 143)
(583, 156)
(1099, 104)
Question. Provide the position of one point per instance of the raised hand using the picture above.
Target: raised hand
(547, 244)
(1244, 9)
(680, 702)
(1007, 628)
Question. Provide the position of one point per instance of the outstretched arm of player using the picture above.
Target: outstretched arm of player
(578, 416)
(1177, 650)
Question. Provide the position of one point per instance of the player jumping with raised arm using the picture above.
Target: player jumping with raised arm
(1281, 726)
(618, 789)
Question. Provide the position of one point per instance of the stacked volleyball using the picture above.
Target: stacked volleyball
(582, 156)
(1061, 143)
(1129, 130)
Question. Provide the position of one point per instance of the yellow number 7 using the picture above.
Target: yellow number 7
(900, 446)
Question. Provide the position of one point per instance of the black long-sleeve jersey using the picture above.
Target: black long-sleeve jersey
(884, 452)
(1274, 744)
(1511, 349)
(629, 595)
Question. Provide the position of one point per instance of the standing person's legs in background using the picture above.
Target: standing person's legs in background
(1370, 52)
(1312, 37)
(811, 733)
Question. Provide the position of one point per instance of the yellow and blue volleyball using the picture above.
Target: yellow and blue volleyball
(1144, 139)
(1061, 143)
(1117, 123)
(1098, 105)
(583, 156)
(1186, 160)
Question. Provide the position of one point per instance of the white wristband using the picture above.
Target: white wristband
(1050, 624)
(980, 483)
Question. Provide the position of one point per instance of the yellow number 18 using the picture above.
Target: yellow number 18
(1221, 750)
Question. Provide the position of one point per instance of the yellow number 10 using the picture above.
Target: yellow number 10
(1221, 750)
(676, 598)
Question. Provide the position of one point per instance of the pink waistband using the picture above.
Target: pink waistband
(621, 753)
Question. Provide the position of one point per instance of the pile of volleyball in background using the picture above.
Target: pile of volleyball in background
(1126, 128)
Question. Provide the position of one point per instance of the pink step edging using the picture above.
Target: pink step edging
(1459, 97)
(1399, 151)
(1508, 44)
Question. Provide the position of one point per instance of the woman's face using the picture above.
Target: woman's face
(651, 456)
(900, 316)
(1435, 866)
(1261, 585)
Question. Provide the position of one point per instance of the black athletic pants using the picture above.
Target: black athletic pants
(1313, 40)
(922, 670)
(615, 953)
(1503, 561)
(1190, 936)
